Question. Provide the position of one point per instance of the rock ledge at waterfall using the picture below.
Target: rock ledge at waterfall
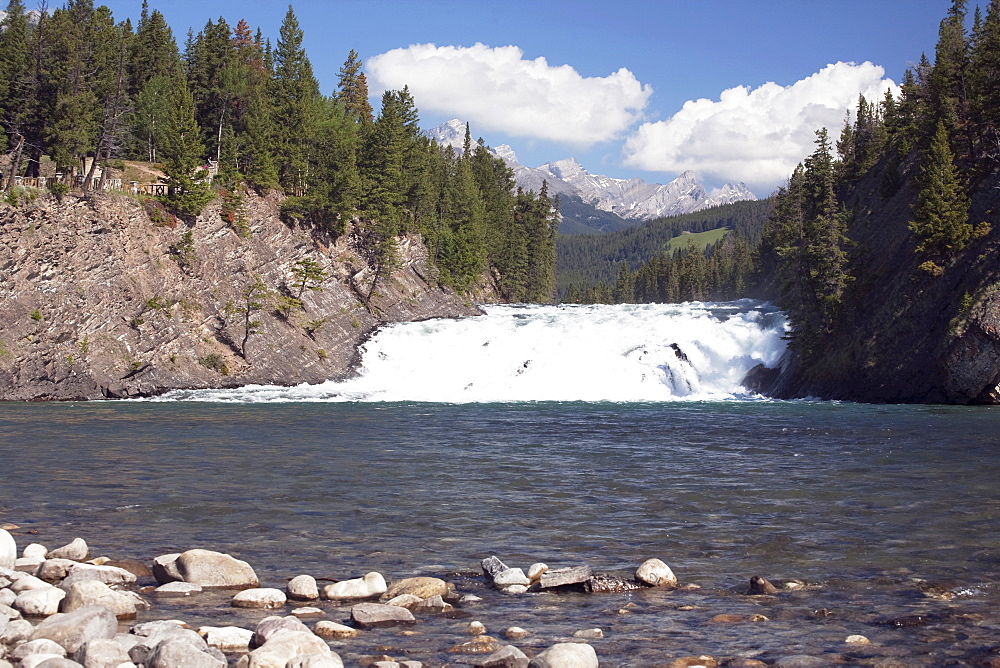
(100, 302)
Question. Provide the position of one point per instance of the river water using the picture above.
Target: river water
(889, 515)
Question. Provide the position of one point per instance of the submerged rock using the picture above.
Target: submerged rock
(760, 586)
(372, 584)
(566, 655)
(655, 573)
(562, 577)
(367, 615)
(422, 587)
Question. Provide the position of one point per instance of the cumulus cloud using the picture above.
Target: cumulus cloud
(496, 88)
(755, 136)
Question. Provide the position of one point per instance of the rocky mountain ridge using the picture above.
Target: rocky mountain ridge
(633, 200)
(99, 301)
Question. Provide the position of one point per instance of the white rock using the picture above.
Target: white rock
(227, 638)
(514, 589)
(515, 633)
(372, 584)
(316, 660)
(27, 564)
(655, 573)
(6, 598)
(35, 660)
(215, 569)
(39, 602)
(566, 655)
(535, 571)
(178, 588)
(475, 628)
(25, 581)
(856, 640)
(404, 601)
(103, 653)
(282, 647)
(589, 634)
(109, 575)
(35, 551)
(40, 646)
(76, 550)
(165, 568)
(511, 576)
(17, 631)
(94, 592)
(8, 549)
(303, 588)
(307, 611)
(270, 626)
(262, 597)
(54, 568)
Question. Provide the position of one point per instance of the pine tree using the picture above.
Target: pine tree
(940, 217)
(353, 89)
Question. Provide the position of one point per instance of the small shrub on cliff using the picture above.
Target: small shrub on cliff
(158, 213)
(183, 251)
(58, 189)
(215, 362)
(233, 213)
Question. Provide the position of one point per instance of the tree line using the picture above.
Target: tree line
(77, 84)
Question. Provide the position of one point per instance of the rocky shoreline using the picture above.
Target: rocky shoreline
(61, 608)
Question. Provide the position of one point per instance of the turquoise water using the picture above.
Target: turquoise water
(868, 505)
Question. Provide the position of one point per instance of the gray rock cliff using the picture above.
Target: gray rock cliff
(98, 301)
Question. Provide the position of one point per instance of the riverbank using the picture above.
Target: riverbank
(207, 608)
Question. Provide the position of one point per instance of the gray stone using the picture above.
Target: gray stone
(150, 629)
(94, 592)
(227, 638)
(800, 661)
(589, 634)
(566, 655)
(39, 602)
(307, 611)
(505, 657)
(17, 631)
(48, 661)
(6, 598)
(492, 566)
(27, 564)
(143, 650)
(24, 581)
(303, 588)
(73, 629)
(404, 601)
(264, 597)
(511, 576)
(165, 568)
(367, 615)
(102, 653)
(316, 660)
(328, 629)
(54, 569)
(176, 650)
(655, 573)
(561, 577)
(372, 584)
(8, 549)
(178, 588)
(270, 626)
(535, 571)
(423, 587)
(109, 575)
(40, 646)
(434, 604)
(76, 550)
(34, 551)
(215, 569)
(283, 647)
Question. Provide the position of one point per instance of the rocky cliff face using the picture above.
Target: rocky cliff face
(908, 336)
(100, 302)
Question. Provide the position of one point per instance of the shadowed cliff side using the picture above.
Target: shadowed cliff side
(905, 335)
(99, 301)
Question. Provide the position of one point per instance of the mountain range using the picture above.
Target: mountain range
(595, 204)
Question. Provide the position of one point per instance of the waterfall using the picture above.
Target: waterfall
(623, 353)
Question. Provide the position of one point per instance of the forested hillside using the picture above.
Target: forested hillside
(80, 85)
(887, 252)
(589, 267)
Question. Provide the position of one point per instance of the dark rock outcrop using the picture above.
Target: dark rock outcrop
(98, 301)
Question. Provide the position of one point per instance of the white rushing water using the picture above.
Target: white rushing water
(645, 352)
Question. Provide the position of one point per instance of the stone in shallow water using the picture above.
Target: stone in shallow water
(703, 661)
(303, 588)
(372, 584)
(94, 592)
(270, 626)
(368, 615)
(307, 611)
(515, 633)
(511, 576)
(263, 597)
(655, 573)
(178, 588)
(505, 657)
(434, 604)
(101, 653)
(227, 638)
(492, 566)
(856, 640)
(40, 646)
(566, 655)
(407, 601)
(283, 647)
(215, 569)
(328, 629)
(475, 628)
(479, 645)
(422, 587)
(561, 577)
(316, 660)
(535, 571)
(602, 583)
(760, 586)
(589, 634)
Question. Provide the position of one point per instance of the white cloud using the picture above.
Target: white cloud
(755, 136)
(497, 89)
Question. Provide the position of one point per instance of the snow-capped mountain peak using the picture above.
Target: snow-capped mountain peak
(633, 199)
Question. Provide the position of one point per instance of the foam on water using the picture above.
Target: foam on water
(647, 352)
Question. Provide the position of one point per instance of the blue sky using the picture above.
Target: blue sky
(613, 83)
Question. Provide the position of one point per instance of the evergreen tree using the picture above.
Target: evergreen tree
(941, 216)
(353, 89)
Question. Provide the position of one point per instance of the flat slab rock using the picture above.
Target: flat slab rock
(367, 615)
(562, 577)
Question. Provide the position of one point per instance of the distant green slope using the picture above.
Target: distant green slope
(702, 239)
